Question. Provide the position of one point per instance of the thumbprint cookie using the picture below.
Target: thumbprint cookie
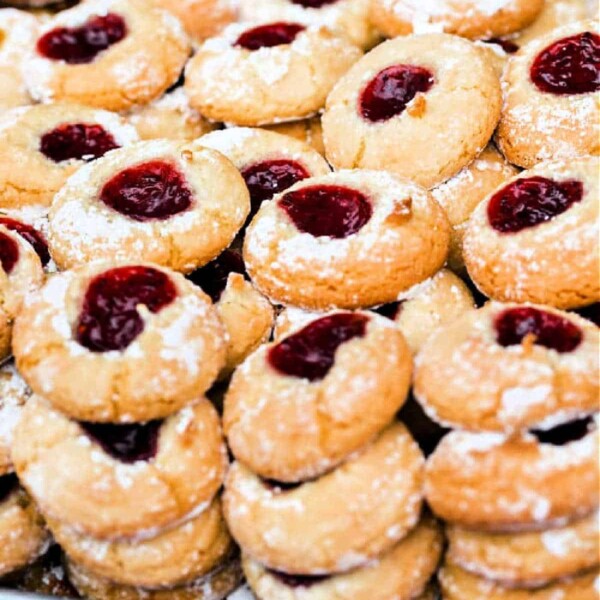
(110, 54)
(309, 131)
(162, 201)
(403, 108)
(106, 342)
(349, 239)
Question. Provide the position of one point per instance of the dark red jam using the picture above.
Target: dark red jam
(79, 141)
(212, 278)
(569, 66)
(109, 318)
(426, 432)
(126, 443)
(390, 91)
(79, 45)
(530, 201)
(29, 234)
(8, 484)
(9, 253)
(297, 581)
(310, 352)
(549, 330)
(151, 190)
(313, 3)
(327, 210)
(565, 433)
(270, 35)
(506, 45)
(591, 313)
(390, 311)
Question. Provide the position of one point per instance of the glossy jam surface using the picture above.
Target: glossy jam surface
(530, 201)
(270, 35)
(8, 483)
(153, 190)
(80, 45)
(313, 3)
(9, 253)
(310, 352)
(426, 432)
(31, 235)
(390, 311)
(390, 91)
(296, 581)
(565, 433)
(79, 141)
(506, 45)
(110, 318)
(569, 66)
(548, 330)
(126, 443)
(212, 278)
(327, 210)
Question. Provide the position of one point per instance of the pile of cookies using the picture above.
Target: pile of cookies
(287, 302)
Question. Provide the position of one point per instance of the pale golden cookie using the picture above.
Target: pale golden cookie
(309, 131)
(403, 108)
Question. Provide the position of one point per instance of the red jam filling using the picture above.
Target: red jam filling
(270, 35)
(549, 330)
(390, 91)
(8, 484)
(126, 443)
(78, 141)
(313, 3)
(29, 234)
(151, 190)
(426, 432)
(327, 210)
(212, 278)
(506, 45)
(9, 253)
(530, 201)
(569, 66)
(109, 318)
(390, 311)
(565, 433)
(310, 352)
(296, 581)
(80, 45)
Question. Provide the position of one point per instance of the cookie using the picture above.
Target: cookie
(402, 108)
(31, 227)
(551, 97)
(309, 131)
(263, 74)
(114, 481)
(299, 406)
(540, 479)
(349, 239)
(376, 495)
(460, 195)
(402, 572)
(161, 201)
(468, 18)
(526, 559)
(247, 316)
(106, 343)
(535, 238)
(42, 145)
(110, 54)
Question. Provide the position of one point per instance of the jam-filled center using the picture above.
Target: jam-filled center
(270, 35)
(296, 581)
(110, 318)
(566, 432)
(327, 210)
(547, 329)
(31, 235)
(79, 141)
(313, 3)
(8, 484)
(9, 253)
(126, 443)
(212, 278)
(530, 201)
(80, 45)
(569, 66)
(310, 352)
(389, 92)
(152, 190)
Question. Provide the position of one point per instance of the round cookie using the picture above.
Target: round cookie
(114, 481)
(31, 226)
(299, 406)
(110, 54)
(376, 495)
(402, 572)
(42, 145)
(535, 238)
(551, 97)
(526, 559)
(106, 343)
(167, 202)
(491, 482)
(246, 314)
(460, 195)
(309, 131)
(403, 108)
(349, 239)
(263, 74)
(468, 18)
